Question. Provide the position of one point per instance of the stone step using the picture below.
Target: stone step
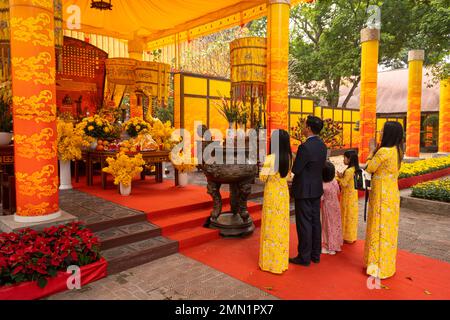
(126, 234)
(131, 255)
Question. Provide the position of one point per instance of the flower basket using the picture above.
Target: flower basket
(31, 291)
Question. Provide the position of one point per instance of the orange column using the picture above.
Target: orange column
(34, 109)
(368, 97)
(135, 50)
(444, 116)
(415, 60)
(277, 64)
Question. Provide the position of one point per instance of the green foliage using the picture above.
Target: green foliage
(325, 42)
(165, 113)
(431, 121)
(438, 190)
(228, 109)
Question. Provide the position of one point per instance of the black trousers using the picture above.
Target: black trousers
(309, 229)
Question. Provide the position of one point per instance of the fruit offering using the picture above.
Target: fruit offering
(128, 146)
(103, 145)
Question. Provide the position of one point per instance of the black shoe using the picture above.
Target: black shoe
(315, 260)
(299, 262)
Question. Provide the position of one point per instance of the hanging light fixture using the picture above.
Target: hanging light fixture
(101, 5)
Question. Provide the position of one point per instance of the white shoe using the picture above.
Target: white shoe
(331, 253)
(325, 251)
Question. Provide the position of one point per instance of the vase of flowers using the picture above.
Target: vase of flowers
(184, 164)
(135, 126)
(230, 111)
(125, 190)
(97, 127)
(162, 133)
(70, 142)
(124, 168)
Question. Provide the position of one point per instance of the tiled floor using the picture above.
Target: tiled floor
(179, 277)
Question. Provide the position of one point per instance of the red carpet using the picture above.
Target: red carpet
(336, 277)
(180, 212)
(149, 196)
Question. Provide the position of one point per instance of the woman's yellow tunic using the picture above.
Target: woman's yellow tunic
(383, 216)
(274, 243)
(349, 206)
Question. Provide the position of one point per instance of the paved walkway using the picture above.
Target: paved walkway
(178, 277)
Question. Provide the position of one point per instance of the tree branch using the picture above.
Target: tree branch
(350, 93)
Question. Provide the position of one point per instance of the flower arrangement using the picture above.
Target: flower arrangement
(162, 133)
(124, 168)
(30, 255)
(97, 127)
(423, 166)
(438, 190)
(184, 163)
(70, 141)
(330, 134)
(135, 126)
(228, 109)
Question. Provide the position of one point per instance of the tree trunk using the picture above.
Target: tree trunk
(350, 93)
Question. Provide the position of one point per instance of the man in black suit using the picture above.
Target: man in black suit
(307, 190)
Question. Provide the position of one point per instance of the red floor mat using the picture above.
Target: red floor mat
(336, 277)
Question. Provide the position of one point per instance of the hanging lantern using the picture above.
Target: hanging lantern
(248, 74)
(101, 5)
(121, 70)
(152, 78)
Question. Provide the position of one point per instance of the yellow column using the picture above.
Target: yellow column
(135, 51)
(277, 64)
(34, 109)
(368, 98)
(444, 116)
(415, 60)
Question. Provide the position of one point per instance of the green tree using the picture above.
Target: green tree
(325, 41)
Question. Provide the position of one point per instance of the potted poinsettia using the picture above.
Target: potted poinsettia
(70, 142)
(6, 125)
(124, 168)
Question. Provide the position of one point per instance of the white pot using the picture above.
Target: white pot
(65, 176)
(125, 191)
(5, 138)
(182, 179)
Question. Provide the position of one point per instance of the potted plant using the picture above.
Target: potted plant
(98, 128)
(229, 111)
(6, 125)
(124, 168)
(183, 164)
(135, 126)
(70, 141)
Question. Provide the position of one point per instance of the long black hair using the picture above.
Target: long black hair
(352, 155)
(393, 137)
(280, 145)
